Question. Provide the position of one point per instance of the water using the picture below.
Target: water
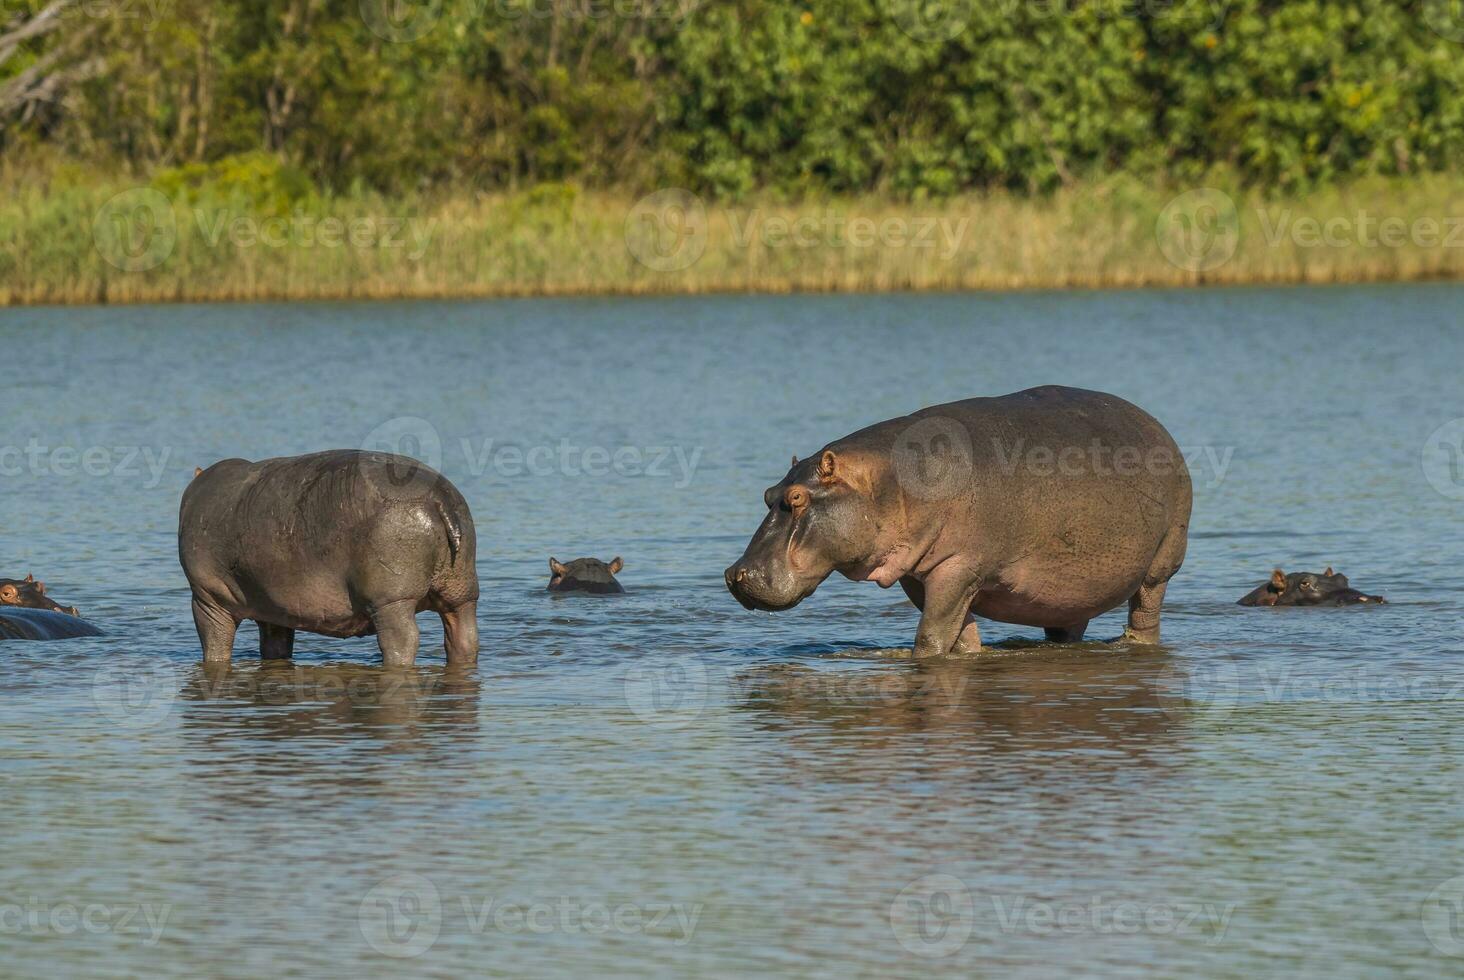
(663, 783)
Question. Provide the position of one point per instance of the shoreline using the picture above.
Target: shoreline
(762, 291)
(100, 244)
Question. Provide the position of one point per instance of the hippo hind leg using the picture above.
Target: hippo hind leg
(1066, 634)
(276, 642)
(216, 629)
(461, 628)
(396, 633)
(1143, 617)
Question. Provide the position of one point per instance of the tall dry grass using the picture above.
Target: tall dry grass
(75, 240)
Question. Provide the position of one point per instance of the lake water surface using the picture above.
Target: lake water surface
(663, 783)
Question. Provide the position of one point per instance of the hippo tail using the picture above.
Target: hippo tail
(454, 529)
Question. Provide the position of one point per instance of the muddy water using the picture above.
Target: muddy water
(663, 783)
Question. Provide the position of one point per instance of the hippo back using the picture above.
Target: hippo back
(19, 623)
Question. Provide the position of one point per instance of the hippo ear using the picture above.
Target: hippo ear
(556, 568)
(30, 578)
(1278, 579)
(1329, 573)
(40, 587)
(795, 461)
(616, 565)
(827, 465)
(197, 472)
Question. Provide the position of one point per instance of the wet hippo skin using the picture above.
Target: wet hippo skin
(341, 543)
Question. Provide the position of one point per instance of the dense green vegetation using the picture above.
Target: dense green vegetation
(900, 98)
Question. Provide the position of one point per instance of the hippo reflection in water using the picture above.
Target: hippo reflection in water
(1307, 589)
(585, 575)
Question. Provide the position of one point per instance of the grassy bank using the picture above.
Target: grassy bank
(192, 237)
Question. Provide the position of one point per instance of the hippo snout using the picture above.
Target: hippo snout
(754, 588)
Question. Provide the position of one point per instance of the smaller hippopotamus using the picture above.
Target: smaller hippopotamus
(585, 575)
(31, 594)
(1308, 589)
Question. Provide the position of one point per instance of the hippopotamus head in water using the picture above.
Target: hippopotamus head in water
(30, 594)
(585, 575)
(1327, 588)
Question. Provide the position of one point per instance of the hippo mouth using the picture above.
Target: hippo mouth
(748, 593)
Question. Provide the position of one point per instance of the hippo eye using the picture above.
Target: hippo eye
(796, 498)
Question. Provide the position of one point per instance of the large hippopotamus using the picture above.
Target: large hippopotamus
(1046, 508)
(26, 623)
(343, 543)
(30, 594)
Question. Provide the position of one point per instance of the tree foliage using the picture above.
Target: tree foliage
(903, 97)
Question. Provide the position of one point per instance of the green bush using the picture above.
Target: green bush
(911, 98)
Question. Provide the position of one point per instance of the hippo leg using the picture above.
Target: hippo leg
(276, 642)
(970, 639)
(1066, 634)
(1143, 617)
(946, 624)
(396, 633)
(216, 630)
(461, 627)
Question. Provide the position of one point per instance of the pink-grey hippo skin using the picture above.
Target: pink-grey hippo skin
(342, 543)
(1046, 508)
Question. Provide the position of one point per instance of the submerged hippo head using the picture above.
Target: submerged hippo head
(30, 594)
(1327, 588)
(585, 575)
(821, 519)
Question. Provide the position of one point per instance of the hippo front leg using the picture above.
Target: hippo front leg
(946, 624)
(396, 633)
